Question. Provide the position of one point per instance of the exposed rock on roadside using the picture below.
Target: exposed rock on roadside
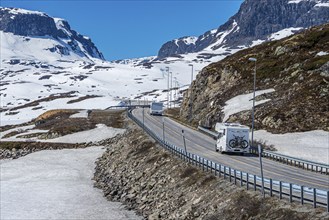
(137, 172)
(295, 67)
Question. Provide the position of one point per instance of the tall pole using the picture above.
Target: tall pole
(175, 94)
(168, 88)
(163, 129)
(261, 168)
(184, 142)
(253, 104)
(191, 73)
(143, 119)
(191, 98)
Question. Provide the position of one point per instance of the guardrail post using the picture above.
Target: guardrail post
(327, 201)
(280, 190)
(302, 195)
(255, 184)
(290, 192)
(229, 170)
(220, 169)
(247, 181)
(224, 172)
(203, 164)
(234, 177)
(271, 187)
(314, 197)
(215, 168)
(241, 180)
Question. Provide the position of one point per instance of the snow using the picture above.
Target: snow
(311, 145)
(319, 3)
(243, 102)
(322, 53)
(190, 40)
(295, 1)
(101, 132)
(22, 11)
(21, 128)
(60, 25)
(55, 184)
(324, 4)
(284, 33)
(81, 114)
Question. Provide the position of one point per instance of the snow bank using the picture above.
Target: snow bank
(312, 145)
(81, 114)
(243, 102)
(97, 134)
(55, 185)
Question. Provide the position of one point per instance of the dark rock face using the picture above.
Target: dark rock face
(256, 19)
(178, 46)
(40, 25)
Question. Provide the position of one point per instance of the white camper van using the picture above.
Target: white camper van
(232, 137)
(156, 108)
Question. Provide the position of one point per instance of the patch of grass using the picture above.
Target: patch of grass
(9, 145)
(143, 148)
(111, 118)
(10, 134)
(189, 171)
(153, 159)
(207, 180)
(315, 62)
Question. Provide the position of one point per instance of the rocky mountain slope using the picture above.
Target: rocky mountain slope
(31, 24)
(297, 68)
(255, 21)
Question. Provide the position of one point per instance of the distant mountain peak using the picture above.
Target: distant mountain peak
(34, 24)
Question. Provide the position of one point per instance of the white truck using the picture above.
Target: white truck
(232, 137)
(156, 108)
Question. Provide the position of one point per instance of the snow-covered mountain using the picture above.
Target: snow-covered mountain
(36, 36)
(47, 65)
(256, 21)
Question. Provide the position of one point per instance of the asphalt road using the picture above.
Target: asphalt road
(204, 146)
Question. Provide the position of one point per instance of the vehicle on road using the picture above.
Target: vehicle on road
(232, 137)
(156, 108)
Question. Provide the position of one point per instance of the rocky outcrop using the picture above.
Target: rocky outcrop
(14, 150)
(137, 172)
(256, 20)
(177, 46)
(36, 24)
(295, 67)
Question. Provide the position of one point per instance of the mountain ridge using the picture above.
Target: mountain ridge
(255, 20)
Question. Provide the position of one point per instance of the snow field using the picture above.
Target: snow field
(55, 184)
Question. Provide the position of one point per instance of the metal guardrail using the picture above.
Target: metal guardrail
(293, 192)
(293, 161)
(127, 106)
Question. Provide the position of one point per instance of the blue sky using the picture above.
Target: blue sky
(128, 29)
